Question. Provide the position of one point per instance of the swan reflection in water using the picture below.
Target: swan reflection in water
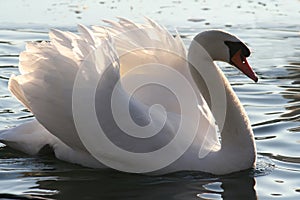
(53, 179)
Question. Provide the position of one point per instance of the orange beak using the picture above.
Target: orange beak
(241, 63)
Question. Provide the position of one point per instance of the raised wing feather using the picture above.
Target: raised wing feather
(47, 82)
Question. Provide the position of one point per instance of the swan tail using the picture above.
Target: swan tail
(33, 139)
(29, 137)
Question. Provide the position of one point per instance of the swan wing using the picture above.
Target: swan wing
(122, 53)
(141, 47)
(49, 70)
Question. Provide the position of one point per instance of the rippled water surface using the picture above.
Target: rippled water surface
(271, 29)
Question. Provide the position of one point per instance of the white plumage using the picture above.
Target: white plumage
(49, 71)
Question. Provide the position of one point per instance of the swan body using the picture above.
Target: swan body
(52, 72)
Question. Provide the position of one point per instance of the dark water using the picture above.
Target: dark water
(271, 28)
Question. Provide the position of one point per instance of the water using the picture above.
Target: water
(270, 28)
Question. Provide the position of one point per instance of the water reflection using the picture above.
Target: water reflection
(46, 177)
(112, 185)
(242, 184)
(292, 93)
(289, 81)
(52, 179)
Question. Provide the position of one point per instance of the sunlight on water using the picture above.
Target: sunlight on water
(271, 29)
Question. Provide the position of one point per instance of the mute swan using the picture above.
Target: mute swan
(167, 125)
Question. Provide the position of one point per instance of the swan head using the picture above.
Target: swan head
(223, 46)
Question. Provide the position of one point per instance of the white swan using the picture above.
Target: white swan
(48, 87)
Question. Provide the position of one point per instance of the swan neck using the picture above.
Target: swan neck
(232, 120)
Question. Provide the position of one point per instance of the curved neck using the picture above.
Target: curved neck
(237, 141)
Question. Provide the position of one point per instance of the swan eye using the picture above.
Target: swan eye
(236, 46)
